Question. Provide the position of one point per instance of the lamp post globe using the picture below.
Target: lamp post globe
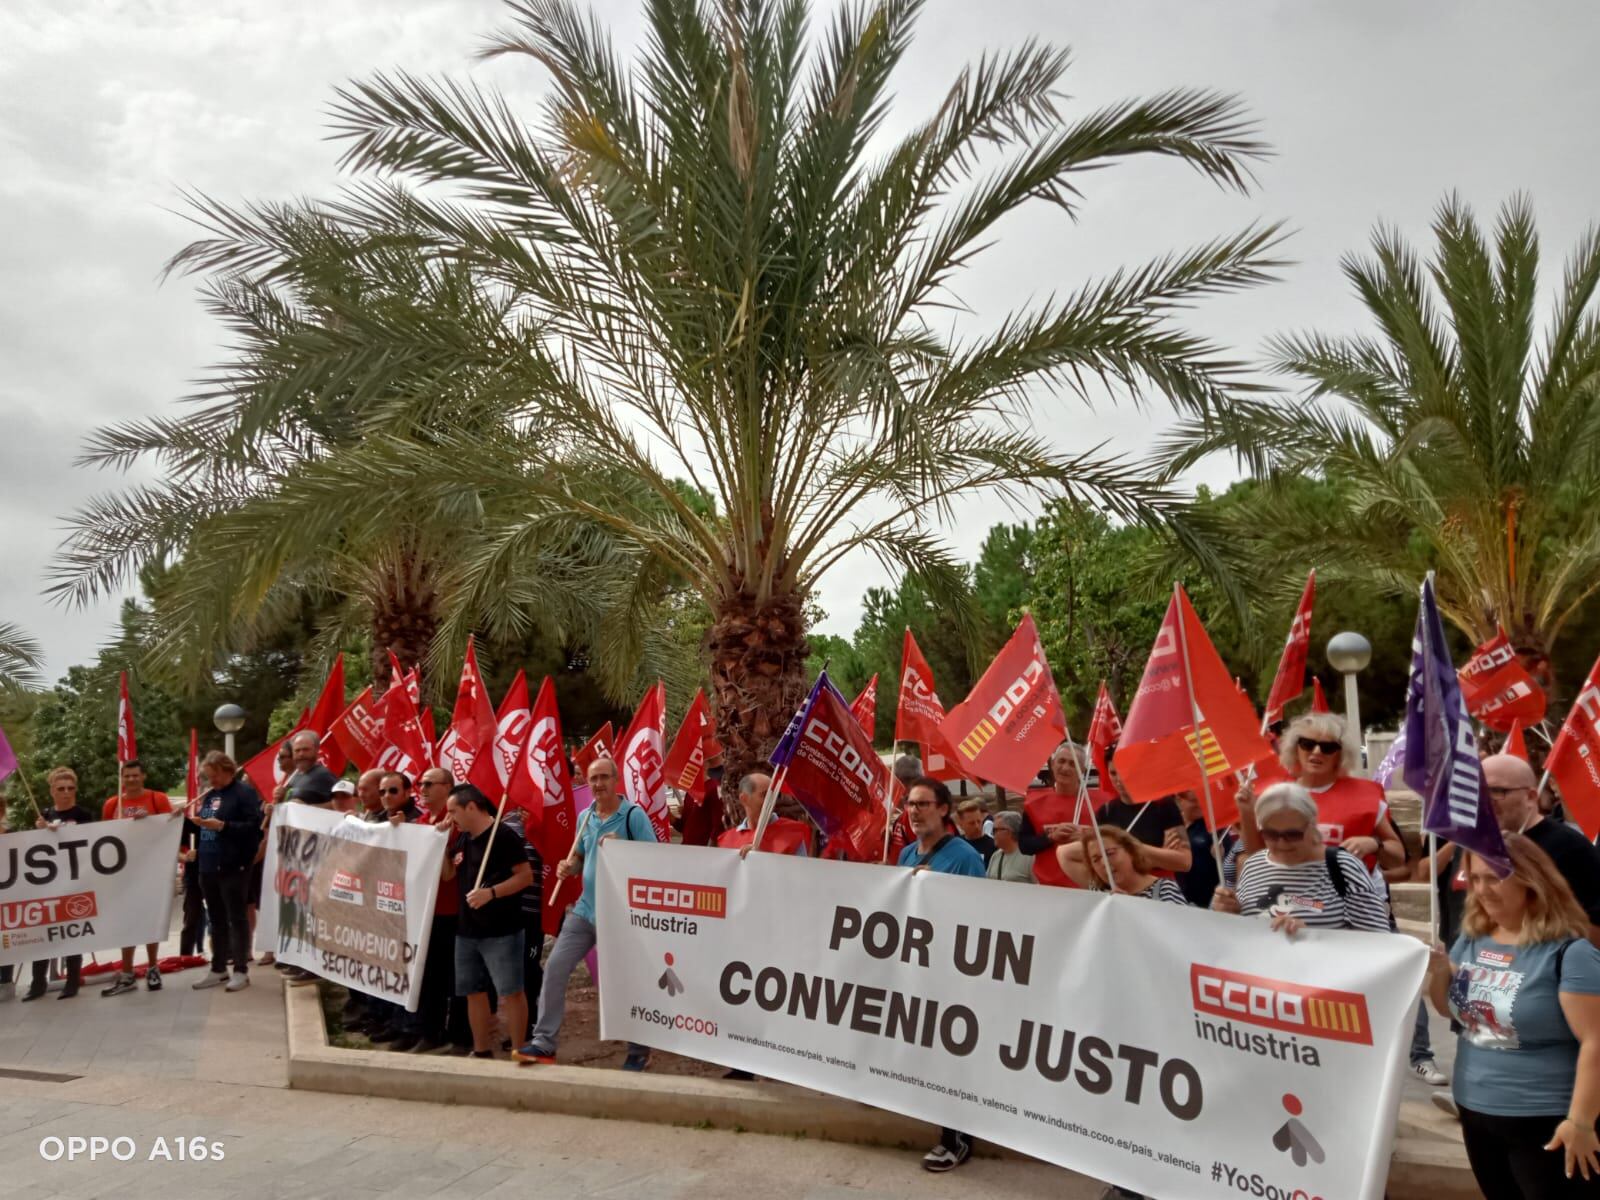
(1349, 653)
(229, 719)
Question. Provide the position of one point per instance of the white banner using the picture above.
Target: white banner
(1176, 1052)
(350, 900)
(83, 888)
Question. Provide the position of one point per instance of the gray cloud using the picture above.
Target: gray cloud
(106, 110)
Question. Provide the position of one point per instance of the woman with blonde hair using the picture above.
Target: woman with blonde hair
(1319, 752)
(1123, 865)
(1524, 985)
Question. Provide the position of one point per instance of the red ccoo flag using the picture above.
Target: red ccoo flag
(1516, 743)
(1574, 759)
(1319, 698)
(1105, 727)
(864, 708)
(826, 761)
(642, 758)
(470, 736)
(1498, 689)
(599, 746)
(359, 731)
(1190, 724)
(694, 746)
(1012, 720)
(404, 747)
(919, 716)
(511, 724)
(127, 742)
(1290, 680)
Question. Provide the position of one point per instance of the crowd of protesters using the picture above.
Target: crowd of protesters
(1317, 850)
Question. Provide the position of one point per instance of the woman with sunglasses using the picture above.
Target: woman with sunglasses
(1299, 881)
(1319, 754)
(1523, 983)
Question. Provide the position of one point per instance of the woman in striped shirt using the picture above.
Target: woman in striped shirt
(1298, 881)
(1124, 861)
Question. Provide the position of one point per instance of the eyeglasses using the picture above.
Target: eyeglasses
(1310, 744)
(1284, 835)
(389, 791)
(922, 804)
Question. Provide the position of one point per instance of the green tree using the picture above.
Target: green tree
(1453, 437)
(731, 286)
(1003, 579)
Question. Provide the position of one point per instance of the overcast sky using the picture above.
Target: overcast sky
(107, 109)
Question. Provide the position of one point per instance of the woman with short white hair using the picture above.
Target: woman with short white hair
(1319, 752)
(1299, 881)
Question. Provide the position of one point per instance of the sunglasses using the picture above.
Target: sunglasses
(1310, 744)
(389, 791)
(1284, 835)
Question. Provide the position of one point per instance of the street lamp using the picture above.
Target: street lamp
(1349, 653)
(229, 719)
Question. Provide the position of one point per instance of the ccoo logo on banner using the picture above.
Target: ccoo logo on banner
(1176, 1052)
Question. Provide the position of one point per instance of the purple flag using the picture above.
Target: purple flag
(8, 757)
(1441, 750)
(790, 741)
(1392, 761)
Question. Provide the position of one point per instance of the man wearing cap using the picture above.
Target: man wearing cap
(344, 796)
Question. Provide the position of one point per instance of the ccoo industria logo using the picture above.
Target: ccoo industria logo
(681, 903)
(1292, 1008)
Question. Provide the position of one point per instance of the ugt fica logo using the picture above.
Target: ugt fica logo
(669, 981)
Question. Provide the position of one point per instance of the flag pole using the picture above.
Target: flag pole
(493, 829)
(768, 802)
(576, 838)
(1433, 889)
(28, 788)
(1084, 803)
(1194, 711)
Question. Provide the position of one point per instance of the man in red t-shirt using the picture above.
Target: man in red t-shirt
(781, 836)
(134, 803)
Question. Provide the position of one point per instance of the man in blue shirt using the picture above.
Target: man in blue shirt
(937, 848)
(612, 815)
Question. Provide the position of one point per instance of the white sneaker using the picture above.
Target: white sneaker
(1429, 1074)
(212, 979)
(238, 983)
(1445, 1103)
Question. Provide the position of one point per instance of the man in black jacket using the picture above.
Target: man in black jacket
(230, 831)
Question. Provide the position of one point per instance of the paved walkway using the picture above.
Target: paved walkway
(181, 1063)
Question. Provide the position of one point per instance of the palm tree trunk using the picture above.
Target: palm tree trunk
(758, 678)
(405, 614)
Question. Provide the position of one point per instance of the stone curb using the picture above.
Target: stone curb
(1428, 1163)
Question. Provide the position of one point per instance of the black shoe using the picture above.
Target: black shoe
(948, 1158)
(737, 1074)
(68, 992)
(405, 1043)
(379, 1036)
(427, 1046)
(32, 993)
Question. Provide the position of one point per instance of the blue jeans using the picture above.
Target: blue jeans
(1421, 1046)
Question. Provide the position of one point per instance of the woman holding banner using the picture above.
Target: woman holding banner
(1524, 984)
(1123, 866)
(1299, 881)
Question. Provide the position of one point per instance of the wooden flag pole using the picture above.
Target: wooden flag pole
(1085, 803)
(28, 788)
(1433, 889)
(1194, 713)
(576, 838)
(493, 829)
(769, 802)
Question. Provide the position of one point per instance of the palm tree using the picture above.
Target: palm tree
(741, 280)
(21, 660)
(291, 480)
(1450, 439)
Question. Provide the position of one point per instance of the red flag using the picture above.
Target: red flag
(1162, 751)
(694, 746)
(1516, 744)
(404, 748)
(544, 753)
(472, 729)
(642, 760)
(830, 767)
(512, 720)
(1574, 759)
(359, 731)
(864, 708)
(326, 711)
(192, 782)
(1012, 720)
(919, 716)
(1498, 689)
(430, 736)
(263, 770)
(599, 746)
(127, 743)
(1319, 698)
(1105, 727)
(1290, 680)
